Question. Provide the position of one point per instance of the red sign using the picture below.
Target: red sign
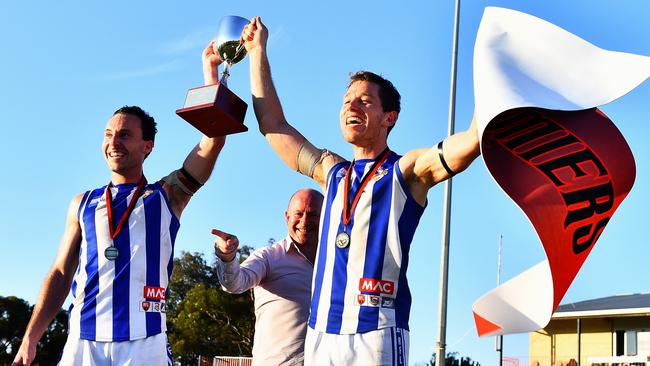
(155, 293)
(376, 286)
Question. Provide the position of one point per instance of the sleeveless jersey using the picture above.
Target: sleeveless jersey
(363, 286)
(123, 299)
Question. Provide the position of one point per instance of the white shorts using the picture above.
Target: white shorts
(388, 346)
(152, 350)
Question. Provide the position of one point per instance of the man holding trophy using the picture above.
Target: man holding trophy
(360, 297)
(116, 253)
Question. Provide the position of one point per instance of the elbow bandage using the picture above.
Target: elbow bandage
(309, 157)
(182, 179)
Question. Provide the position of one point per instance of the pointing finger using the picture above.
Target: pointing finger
(221, 234)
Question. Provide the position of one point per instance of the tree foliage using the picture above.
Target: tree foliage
(14, 316)
(452, 359)
(203, 319)
(189, 270)
(210, 323)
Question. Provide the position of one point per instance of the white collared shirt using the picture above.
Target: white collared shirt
(280, 276)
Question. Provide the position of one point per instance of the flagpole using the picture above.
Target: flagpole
(446, 218)
(499, 338)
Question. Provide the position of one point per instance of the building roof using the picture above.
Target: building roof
(618, 305)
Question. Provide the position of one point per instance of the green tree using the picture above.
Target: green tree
(14, 316)
(50, 347)
(189, 270)
(210, 323)
(203, 319)
(452, 359)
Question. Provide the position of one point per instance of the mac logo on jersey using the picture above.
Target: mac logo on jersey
(376, 286)
(155, 293)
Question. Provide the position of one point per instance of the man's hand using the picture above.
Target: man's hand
(225, 245)
(211, 61)
(26, 353)
(255, 35)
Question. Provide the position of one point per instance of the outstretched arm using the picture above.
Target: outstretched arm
(424, 168)
(181, 184)
(290, 145)
(55, 287)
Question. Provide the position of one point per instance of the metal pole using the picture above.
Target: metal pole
(499, 338)
(444, 254)
(579, 334)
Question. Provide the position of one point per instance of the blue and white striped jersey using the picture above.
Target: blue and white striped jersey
(123, 299)
(363, 286)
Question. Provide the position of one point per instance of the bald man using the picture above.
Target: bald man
(281, 276)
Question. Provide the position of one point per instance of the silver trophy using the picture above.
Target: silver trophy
(214, 109)
(230, 45)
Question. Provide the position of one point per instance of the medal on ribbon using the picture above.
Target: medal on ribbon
(111, 253)
(343, 238)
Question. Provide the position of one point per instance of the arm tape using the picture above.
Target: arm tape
(189, 177)
(182, 181)
(443, 162)
(309, 157)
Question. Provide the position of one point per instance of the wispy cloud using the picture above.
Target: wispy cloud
(199, 38)
(196, 39)
(277, 35)
(138, 73)
(189, 42)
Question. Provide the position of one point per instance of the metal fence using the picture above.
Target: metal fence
(225, 361)
(510, 361)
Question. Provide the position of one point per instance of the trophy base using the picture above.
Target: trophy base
(214, 110)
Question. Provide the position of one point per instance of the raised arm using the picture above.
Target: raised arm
(55, 288)
(424, 168)
(181, 184)
(290, 145)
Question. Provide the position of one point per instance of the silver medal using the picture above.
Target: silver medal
(342, 240)
(111, 253)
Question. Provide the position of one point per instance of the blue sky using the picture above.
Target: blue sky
(66, 67)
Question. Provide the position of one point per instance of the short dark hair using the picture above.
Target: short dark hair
(388, 94)
(147, 122)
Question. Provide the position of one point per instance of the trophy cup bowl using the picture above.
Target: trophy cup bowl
(214, 109)
(228, 40)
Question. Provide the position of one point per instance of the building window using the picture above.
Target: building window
(630, 343)
(620, 343)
